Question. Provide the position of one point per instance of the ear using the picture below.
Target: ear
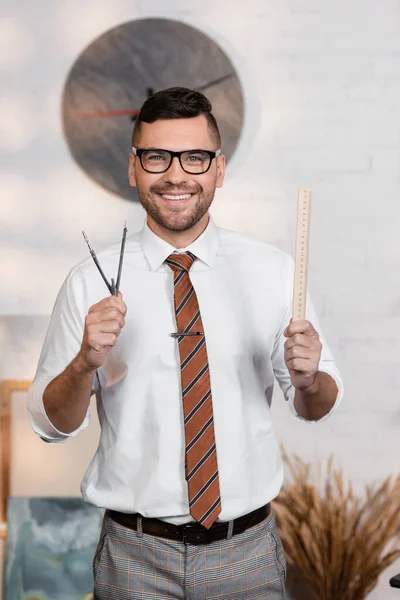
(220, 170)
(132, 170)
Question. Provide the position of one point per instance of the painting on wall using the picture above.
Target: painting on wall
(23, 453)
(50, 548)
(8, 389)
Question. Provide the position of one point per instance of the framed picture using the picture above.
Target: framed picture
(30, 467)
(51, 543)
(8, 389)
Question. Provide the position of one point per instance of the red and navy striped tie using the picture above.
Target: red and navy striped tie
(201, 456)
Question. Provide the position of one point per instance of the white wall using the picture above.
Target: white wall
(322, 89)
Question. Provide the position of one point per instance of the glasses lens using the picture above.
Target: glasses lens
(195, 161)
(156, 161)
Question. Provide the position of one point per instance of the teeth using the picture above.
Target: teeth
(184, 197)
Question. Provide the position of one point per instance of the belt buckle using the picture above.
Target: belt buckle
(185, 534)
(196, 540)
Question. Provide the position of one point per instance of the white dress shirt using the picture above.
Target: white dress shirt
(244, 288)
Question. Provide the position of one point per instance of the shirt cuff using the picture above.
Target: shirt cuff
(40, 421)
(339, 384)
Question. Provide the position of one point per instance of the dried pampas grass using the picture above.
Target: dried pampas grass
(339, 542)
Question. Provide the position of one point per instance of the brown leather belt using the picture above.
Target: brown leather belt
(191, 533)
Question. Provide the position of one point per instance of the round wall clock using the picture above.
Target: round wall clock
(114, 75)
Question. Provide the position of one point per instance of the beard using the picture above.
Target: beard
(176, 220)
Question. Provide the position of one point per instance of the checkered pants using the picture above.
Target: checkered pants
(132, 566)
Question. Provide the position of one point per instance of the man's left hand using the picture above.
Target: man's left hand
(302, 353)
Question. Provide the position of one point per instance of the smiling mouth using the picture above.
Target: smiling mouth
(176, 197)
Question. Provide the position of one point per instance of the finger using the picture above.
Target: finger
(101, 340)
(108, 340)
(102, 316)
(304, 327)
(124, 308)
(103, 327)
(298, 339)
(297, 327)
(104, 303)
(303, 365)
(96, 307)
(111, 314)
(119, 303)
(299, 352)
(109, 302)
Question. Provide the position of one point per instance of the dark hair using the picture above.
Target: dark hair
(176, 103)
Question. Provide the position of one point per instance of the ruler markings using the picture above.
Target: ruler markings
(301, 260)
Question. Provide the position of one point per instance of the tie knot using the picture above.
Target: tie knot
(181, 262)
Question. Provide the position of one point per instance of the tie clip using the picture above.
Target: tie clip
(176, 335)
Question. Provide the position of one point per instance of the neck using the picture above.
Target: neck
(179, 239)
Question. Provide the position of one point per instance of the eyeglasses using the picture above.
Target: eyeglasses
(156, 160)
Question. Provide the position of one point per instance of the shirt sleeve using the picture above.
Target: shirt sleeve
(61, 345)
(326, 364)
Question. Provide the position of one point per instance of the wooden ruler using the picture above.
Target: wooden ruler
(301, 261)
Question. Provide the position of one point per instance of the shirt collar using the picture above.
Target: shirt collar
(157, 250)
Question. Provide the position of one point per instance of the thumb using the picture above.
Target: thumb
(286, 333)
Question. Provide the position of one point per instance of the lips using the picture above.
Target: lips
(176, 196)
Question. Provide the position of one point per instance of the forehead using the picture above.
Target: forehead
(177, 134)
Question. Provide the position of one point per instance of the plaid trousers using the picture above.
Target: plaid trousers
(129, 565)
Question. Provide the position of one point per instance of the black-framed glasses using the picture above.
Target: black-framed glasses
(157, 160)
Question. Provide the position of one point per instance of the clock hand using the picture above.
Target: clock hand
(115, 113)
(214, 82)
(108, 113)
(134, 112)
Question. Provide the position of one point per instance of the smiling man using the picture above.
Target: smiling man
(176, 187)
(183, 367)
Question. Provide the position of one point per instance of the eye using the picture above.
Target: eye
(155, 157)
(195, 157)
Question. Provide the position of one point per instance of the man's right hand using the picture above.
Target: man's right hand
(103, 325)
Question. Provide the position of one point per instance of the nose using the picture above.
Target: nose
(175, 173)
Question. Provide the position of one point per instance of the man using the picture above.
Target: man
(187, 463)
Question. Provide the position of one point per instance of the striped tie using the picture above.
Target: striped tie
(201, 467)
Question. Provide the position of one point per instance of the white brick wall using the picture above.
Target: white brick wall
(322, 89)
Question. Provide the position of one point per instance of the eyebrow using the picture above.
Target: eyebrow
(168, 149)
